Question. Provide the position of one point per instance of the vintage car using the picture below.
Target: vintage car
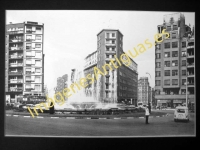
(181, 113)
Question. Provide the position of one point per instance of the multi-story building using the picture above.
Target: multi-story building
(119, 84)
(61, 84)
(153, 101)
(172, 57)
(24, 67)
(144, 90)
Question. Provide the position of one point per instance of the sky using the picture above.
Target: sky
(70, 35)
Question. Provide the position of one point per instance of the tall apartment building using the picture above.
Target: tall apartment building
(144, 90)
(61, 84)
(118, 85)
(24, 67)
(174, 62)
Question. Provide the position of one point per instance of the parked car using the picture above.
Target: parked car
(181, 113)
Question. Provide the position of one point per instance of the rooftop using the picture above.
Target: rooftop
(109, 30)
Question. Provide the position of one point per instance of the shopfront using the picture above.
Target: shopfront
(178, 103)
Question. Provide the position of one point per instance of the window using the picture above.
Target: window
(183, 54)
(157, 64)
(183, 44)
(28, 37)
(174, 63)
(174, 44)
(167, 63)
(39, 29)
(37, 70)
(173, 35)
(157, 82)
(175, 54)
(38, 54)
(37, 87)
(167, 45)
(113, 49)
(157, 73)
(183, 72)
(167, 82)
(28, 53)
(113, 41)
(158, 47)
(167, 54)
(37, 45)
(38, 37)
(174, 81)
(174, 72)
(168, 28)
(107, 56)
(37, 63)
(113, 34)
(37, 79)
(183, 81)
(158, 56)
(107, 35)
(183, 91)
(183, 62)
(167, 72)
(175, 27)
(28, 62)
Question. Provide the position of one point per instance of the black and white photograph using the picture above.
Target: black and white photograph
(99, 73)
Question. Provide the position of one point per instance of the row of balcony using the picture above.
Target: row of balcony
(15, 81)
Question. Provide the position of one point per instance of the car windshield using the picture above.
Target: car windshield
(181, 110)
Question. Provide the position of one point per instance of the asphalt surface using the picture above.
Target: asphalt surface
(47, 126)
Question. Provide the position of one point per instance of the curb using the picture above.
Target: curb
(115, 118)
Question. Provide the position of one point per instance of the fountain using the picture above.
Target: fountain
(85, 99)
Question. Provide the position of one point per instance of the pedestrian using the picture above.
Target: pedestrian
(147, 114)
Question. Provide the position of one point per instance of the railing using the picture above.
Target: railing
(16, 81)
(15, 48)
(15, 32)
(190, 65)
(16, 65)
(14, 89)
(110, 44)
(16, 40)
(16, 56)
(15, 73)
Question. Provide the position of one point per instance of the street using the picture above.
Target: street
(159, 126)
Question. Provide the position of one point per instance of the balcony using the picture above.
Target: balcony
(15, 89)
(110, 52)
(16, 40)
(15, 73)
(16, 65)
(15, 48)
(190, 56)
(29, 88)
(190, 65)
(190, 74)
(190, 46)
(16, 56)
(16, 32)
(107, 90)
(29, 31)
(109, 37)
(15, 81)
(190, 84)
(110, 44)
(107, 75)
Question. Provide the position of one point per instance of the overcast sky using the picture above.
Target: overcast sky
(70, 35)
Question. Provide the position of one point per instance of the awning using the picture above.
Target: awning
(178, 101)
(162, 101)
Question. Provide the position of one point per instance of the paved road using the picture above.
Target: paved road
(159, 126)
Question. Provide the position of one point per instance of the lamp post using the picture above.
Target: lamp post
(186, 83)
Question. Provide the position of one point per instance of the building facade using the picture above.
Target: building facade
(144, 91)
(120, 82)
(24, 67)
(173, 55)
(61, 85)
